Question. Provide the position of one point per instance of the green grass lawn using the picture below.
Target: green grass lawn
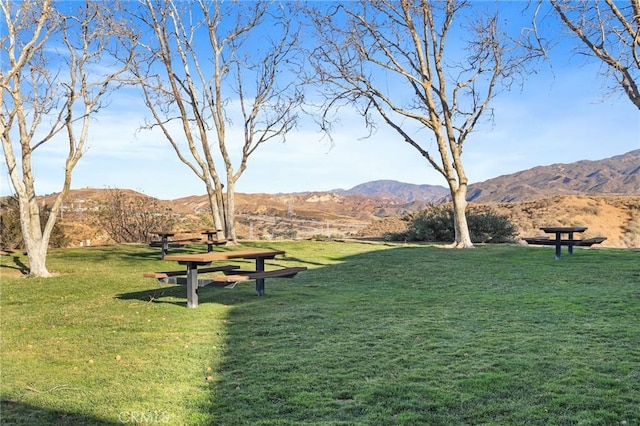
(369, 335)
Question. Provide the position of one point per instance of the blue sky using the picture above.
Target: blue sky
(558, 117)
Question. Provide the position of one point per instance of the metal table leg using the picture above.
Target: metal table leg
(260, 281)
(192, 285)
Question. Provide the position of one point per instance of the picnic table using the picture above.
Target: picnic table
(212, 238)
(558, 241)
(166, 240)
(232, 273)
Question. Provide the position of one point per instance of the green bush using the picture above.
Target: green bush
(436, 224)
(490, 227)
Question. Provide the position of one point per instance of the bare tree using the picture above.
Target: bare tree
(605, 31)
(212, 63)
(54, 78)
(405, 62)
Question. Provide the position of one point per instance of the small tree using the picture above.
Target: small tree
(208, 62)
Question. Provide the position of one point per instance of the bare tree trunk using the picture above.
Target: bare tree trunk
(462, 237)
(230, 212)
(36, 242)
(216, 206)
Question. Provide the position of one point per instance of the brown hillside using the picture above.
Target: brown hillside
(610, 176)
(305, 215)
(615, 217)
(603, 195)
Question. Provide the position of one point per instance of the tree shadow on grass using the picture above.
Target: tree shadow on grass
(157, 295)
(177, 294)
(20, 413)
(279, 338)
(18, 266)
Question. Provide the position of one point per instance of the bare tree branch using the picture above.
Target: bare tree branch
(607, 32)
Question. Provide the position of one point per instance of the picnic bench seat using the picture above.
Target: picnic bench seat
(586, 242)
(211, 243)
(187, 240)
(233, 276)
(214, 242)
(229, 280)
(172, 244)
(166, 276)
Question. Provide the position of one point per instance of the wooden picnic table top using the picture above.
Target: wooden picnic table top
(211, 231)
(167, 233)
(563, 229)
(223, 255)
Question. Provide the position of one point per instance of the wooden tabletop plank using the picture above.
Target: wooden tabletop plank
(167, 233)
(563, 229)
(223, 255)
(211, 231)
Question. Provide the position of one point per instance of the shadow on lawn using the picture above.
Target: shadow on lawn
(19, 266)
(209, 294)
(14, 412)
(386, 335)
(156, 295)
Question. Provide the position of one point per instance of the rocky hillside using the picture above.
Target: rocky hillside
(615, 175)
(263, 216)
(615, 217)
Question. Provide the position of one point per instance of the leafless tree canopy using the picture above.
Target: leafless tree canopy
(427, 69)
(131, 218)
(216, 66)
(604, 31)
(60, 60)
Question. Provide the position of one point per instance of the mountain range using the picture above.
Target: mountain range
(619, 175)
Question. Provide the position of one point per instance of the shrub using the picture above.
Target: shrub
(490, 227)
(436, 224)
(280, 233)
(131, 218)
